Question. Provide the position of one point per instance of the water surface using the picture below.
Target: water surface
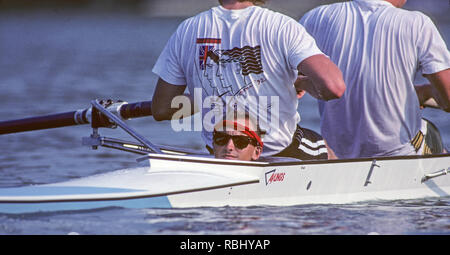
(53, 62)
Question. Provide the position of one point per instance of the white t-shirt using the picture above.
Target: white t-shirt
(249, 56)
(379, 48)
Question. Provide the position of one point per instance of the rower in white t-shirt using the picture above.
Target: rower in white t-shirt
(379, 48)
(243, 57)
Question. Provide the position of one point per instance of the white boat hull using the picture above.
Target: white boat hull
(185, 181)
(336, 182)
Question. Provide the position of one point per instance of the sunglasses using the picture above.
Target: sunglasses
(239, 141)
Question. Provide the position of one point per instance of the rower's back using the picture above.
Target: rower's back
(379, 48)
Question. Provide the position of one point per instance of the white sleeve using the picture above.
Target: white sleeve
(168, 66)
(433, 53)
(298, 43)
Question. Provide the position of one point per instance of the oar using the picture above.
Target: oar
(79, 117)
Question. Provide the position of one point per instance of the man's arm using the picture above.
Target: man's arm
(440, 83)
(331, 154)
(162, 99)
(323, 78)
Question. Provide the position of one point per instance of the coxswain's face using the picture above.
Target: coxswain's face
(235, 145)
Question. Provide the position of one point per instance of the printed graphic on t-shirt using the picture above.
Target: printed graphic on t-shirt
(228, 72)
(249, 58)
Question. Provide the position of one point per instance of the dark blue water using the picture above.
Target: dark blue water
(53, 61)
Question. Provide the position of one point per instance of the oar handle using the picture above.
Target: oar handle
(136, 110)
(80, 117)
(431, 103)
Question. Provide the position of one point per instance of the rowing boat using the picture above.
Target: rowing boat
(167, 177)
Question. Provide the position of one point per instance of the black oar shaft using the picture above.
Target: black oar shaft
(131, 110)
(36, 123)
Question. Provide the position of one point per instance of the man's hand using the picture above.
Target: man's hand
(299, 86)
(440, 88)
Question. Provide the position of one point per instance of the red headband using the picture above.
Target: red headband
(246, 130)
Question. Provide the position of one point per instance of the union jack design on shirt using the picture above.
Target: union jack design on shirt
(204, 49)
(203, 56)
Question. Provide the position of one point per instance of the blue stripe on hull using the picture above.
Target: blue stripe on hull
(38, 191)
(151, 202)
